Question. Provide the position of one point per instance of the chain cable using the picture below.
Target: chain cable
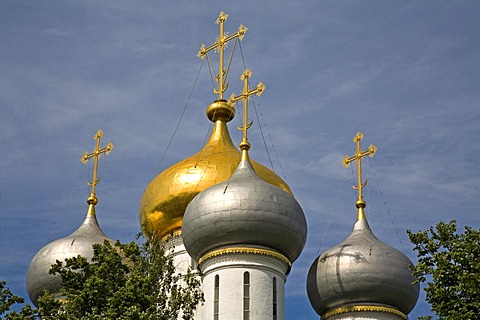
(332, 212)
(266, 128)
(377, 183)
(180, 119)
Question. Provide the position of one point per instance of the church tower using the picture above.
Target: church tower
(244, 234)
(243, 228)
(362, 278)
(165, 199)
(78, 243)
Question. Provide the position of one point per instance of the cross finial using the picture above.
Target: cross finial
(245, 95)
(220, 45)
(92, 199)
(358, 157)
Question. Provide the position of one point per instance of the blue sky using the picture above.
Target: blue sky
(405, 73)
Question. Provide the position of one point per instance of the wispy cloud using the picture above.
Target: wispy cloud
(405, 74)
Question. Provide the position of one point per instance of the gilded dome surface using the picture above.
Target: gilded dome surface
(247, 211)
(166, 197)
(78, 243)
(361, 270)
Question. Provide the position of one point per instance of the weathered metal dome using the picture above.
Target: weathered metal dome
(78, 243)
(361, 270)
(244, 210)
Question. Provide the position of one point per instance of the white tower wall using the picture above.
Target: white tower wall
(237, 300)
(182, 262)
(181, 259)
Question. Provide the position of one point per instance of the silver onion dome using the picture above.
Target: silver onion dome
(244, 210)
(78, 243)
(361, 270)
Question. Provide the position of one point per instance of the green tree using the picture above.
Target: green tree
(448, 262)
(124, 281)
(8, 299)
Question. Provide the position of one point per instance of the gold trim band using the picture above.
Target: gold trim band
(172, 234)
(248, 250)
(341, 310)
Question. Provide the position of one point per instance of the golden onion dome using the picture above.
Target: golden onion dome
(166, 197)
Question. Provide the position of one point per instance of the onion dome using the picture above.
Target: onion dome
(246, 211)
(362, 271)
(166, 197)
(78, 243)
(361, 274)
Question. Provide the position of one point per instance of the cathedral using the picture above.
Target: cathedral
(239, 224)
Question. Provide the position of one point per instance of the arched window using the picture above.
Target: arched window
(274, 292)
(216, 297)
(246, 296)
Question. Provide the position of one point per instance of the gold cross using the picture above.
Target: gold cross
(92, 199)
(220, 45)
(358, 157)
(245, 95)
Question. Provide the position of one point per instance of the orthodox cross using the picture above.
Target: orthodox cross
(358, 157)
(95, 155)
(220, 45)
(245, 95)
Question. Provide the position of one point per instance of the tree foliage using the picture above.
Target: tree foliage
(448, 262)
(122, 281)
(8, 299)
